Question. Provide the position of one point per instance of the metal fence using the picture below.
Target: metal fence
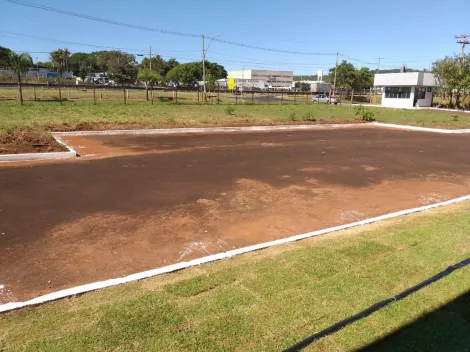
(99, 93)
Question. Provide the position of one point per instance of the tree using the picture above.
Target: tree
(60, 59)
(345, 75)
(121, 67)
(19, 64)
(364, 79)
(190, 73)
(4, 56)
(149, 78)
(453, 74)
(80, 60)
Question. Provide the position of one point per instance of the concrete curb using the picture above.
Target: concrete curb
(41, 156)
(420, 129)
(209, 129)
(212, 258)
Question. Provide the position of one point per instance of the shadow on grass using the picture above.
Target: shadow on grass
(445, 329)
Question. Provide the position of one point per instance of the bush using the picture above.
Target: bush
(310, 116)
(230, 110)
(362, 114)
(292, 115)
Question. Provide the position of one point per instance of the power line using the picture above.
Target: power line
(163, 31)
(73, 43)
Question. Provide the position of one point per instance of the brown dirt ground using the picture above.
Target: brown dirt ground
(133, 203)
(28, 141)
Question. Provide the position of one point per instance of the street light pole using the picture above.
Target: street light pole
(204, 51)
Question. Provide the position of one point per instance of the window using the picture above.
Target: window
(398, 92)
(421, 92)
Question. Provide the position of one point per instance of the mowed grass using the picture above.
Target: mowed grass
(271, 299)
(115, 115)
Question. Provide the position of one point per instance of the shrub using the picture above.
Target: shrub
(230, 110)
(309, 116)
(362, 114)
(292, 115)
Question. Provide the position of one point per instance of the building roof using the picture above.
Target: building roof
(405, 79)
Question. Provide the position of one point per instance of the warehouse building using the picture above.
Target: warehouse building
(272, 79)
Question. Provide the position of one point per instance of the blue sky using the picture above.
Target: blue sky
(411, 32)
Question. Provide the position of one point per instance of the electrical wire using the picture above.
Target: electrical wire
(162, 31)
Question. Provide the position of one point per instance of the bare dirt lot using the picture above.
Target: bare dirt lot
(136, 202)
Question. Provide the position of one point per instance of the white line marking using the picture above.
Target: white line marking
(212, 258)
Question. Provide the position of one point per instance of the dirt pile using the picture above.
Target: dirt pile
(28, 141)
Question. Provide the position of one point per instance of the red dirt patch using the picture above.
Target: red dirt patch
(28, 141)
(176, 197)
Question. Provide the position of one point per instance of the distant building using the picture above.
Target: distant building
(406, 89)
(271, 79)
(35, 72)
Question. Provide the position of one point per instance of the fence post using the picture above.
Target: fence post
(176, 96)
(352, 95)
(101, 93)
(252, 97)
(295, 96)
(236, 99)
(94, 94)
(218, 94)
(127, 93)
(34, 91)
(282, 96)
(151, 93)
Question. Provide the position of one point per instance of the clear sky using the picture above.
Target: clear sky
(414, 32)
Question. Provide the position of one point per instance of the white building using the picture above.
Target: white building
(272, 79)
(406, 89)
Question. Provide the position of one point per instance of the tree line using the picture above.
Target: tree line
(118, 66)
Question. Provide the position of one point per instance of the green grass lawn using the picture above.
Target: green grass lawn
(271, 299)
(109, 114)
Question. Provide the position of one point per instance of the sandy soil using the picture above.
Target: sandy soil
(132, 203)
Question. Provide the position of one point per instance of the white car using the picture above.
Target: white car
(323, 98)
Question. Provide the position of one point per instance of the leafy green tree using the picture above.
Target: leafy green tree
(190, 73)
(80, 60)
(364, 79)
(4, 56)
(60, 59)
(122, 68)
(345, 75)
(149, 78)
(453, 74)
(19, 64)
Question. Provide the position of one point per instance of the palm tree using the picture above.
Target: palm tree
(19, 64)
(60, 58)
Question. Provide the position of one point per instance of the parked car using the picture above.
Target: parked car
(323, 98)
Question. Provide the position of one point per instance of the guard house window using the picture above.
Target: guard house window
(421, 92)
(398, 92)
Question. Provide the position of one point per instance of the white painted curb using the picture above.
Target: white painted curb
(254, 129)
(420, 129)
(212, 258)
(209, 129)
(40, 156)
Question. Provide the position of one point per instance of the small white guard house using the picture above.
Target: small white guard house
(406, 89)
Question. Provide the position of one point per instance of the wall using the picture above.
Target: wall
(398, 103)
(405, 79)
(243, 74)
(426, 102)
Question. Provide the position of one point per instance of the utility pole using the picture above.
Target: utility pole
(334, 82)
(378, 66)
(203, 67)
(462, 39)
(204, 51)
(150, 55)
